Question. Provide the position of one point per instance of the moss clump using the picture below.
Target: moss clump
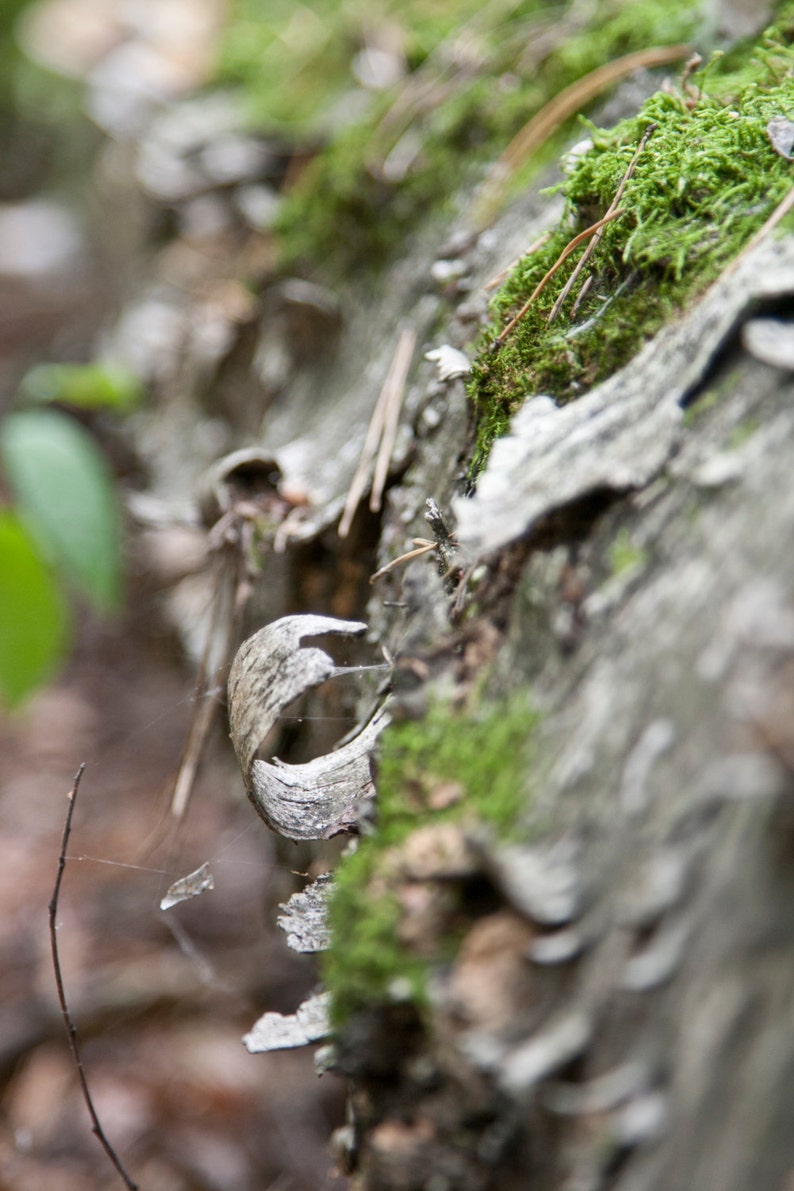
(294, 62)
(624, 556)
(704, 183)
(742, 433)
(484, 760)
(469, 91)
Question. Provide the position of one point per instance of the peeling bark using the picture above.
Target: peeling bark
(648, 1044)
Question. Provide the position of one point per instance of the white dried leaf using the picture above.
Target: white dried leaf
(305, 917)
(278, 1031)
(770, 340)
(190, 886)
(622, 433)
(272, 668)
(449, 361)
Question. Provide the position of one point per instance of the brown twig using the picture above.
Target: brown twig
(232, 581)
(67, 1017)
(569, 101)
(566, 252)
(613, 206)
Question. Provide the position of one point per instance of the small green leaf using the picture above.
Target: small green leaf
(66, 496)
(89, 386)
(33, 625)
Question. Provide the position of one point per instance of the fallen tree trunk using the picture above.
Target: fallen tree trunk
(599, 996)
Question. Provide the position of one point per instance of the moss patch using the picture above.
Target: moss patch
(704, 183)
(294, 62)
(475, 77)
(742, 433)
(444, 769)
(624, 555)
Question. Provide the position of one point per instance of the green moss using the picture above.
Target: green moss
(742, 433)
(624, 555)
(702, 405)
(487, 757)
(294, 61)
(703, 185)
(475, 78)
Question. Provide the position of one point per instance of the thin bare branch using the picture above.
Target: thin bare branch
(67, 1017)
(231, 587)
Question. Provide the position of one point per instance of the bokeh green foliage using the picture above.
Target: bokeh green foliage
(45, 139)
(61, 530)
(33, 619)
(10, 11)
(293, 61)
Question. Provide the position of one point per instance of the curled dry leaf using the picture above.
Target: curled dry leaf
(244, 475)
(190, 886)
(272, 668)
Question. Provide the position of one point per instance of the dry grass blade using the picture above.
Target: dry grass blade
(551, 117)
(446, 68)
(566, 252)
(422, 547)
(613, 206)
(394, 391)
(381, 432)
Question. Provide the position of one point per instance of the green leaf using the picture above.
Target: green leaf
(33, 624)
(89, 386)
(66, 496)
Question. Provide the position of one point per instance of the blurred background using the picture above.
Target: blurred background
(93, 668)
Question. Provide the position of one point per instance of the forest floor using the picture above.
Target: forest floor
(160, 999)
